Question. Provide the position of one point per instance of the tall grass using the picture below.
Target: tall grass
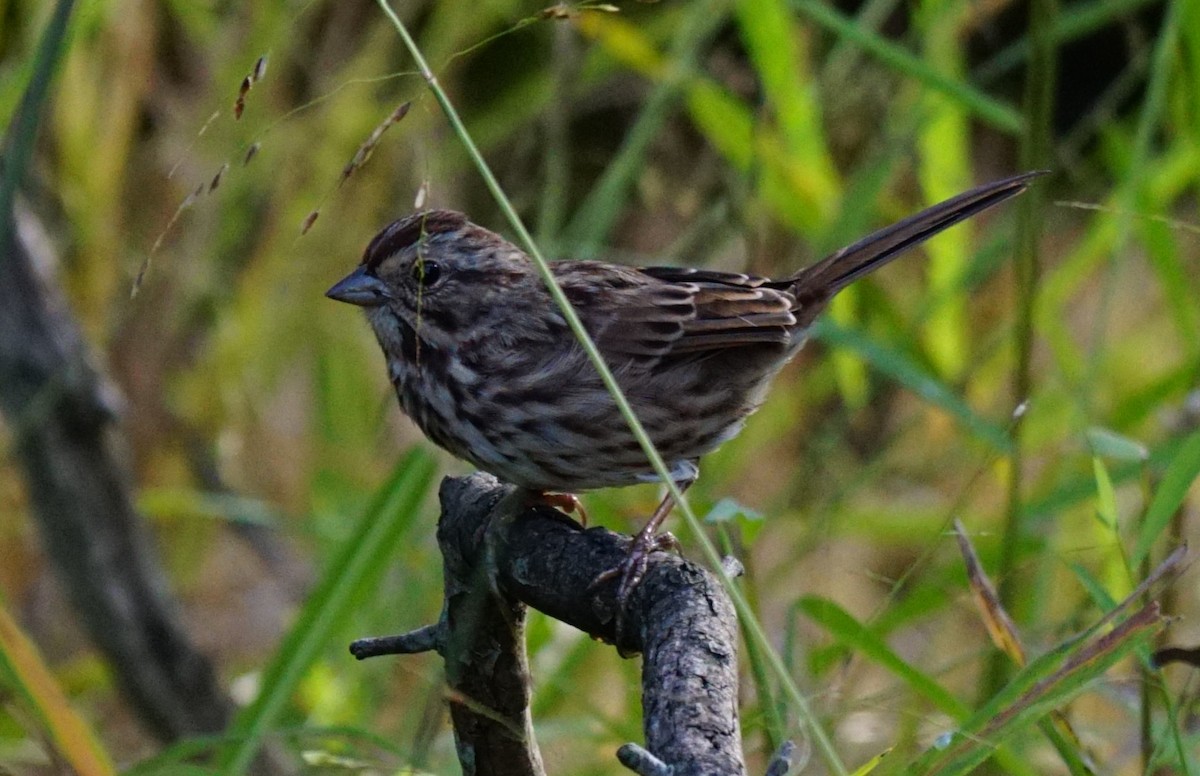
(748, 134)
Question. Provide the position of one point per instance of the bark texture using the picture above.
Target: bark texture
(502, 555)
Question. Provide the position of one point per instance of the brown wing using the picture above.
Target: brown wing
(644, 315)
(731, 309)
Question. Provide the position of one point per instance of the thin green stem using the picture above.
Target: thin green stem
(556, 166)
(775, 727)
(986, 108)
(22, 130)
(1036, 151)
(749, 621)
(1079, 20)
(597, 213)
(1149, 121)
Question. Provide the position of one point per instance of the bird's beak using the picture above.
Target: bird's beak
(360, 288)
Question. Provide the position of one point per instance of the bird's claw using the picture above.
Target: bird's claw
(564, 502)
(632, 569)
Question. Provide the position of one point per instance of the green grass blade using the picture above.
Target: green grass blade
(599, 210)
(1081, 488)
(1106, 497)
(729, 124)
(773, 42)
(24, 675)
(1042, 686)
(842, 626)
(858, 202)
(750, 622)
(1075, 21)
(987, 109)
(350, 576)
(796, 189)
(23, 127)
(911, 375)
(1181, 472)
(943, 139)
(1176, 279)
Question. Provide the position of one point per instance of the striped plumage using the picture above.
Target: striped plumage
(483, 361)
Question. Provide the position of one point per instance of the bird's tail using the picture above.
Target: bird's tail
(817, 283)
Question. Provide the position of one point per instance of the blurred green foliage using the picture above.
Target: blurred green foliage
(742, 134)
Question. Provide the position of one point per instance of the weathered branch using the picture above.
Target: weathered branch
(61, 416)
(679, 618)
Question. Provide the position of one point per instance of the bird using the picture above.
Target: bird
(483, 361)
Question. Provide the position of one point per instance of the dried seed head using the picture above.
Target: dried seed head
(256, 74)
(216, 180)
(260, 68)
(364, 151)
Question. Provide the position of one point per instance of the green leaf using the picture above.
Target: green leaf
(845, 628)
(24, 675)
(1044, 685)
(774, 43)
(944, 146)
(1094, 587)
(870, 765)
(1181, 473)
(1106, 497)
(351, 576)
(601, 207)
(1109, 444)
(23, 126)
(911, 375)
(985, 107)
(729, 509)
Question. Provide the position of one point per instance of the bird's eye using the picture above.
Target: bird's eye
(426, 273)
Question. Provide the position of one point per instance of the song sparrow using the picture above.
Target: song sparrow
(482, 359)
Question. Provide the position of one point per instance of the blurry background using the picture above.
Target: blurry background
(259, 430)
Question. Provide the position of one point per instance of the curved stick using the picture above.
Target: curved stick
(679, 618)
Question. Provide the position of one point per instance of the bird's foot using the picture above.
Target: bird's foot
(630, 571)
(564, 502)
(637, 559)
